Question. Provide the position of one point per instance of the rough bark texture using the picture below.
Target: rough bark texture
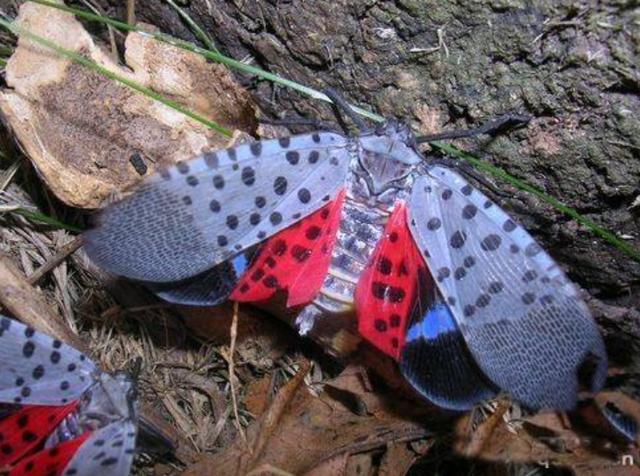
(572, 66)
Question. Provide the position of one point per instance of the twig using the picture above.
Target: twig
(56, 259)
(19, 297)
(232, 348)
(131, 12)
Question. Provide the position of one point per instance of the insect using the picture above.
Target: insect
(440, 278)
(625, 424)
(66, 417)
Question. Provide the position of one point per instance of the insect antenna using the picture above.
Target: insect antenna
(342, 108)
(492, 127)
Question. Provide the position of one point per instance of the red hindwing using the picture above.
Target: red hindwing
(389, 285)
(26, 429)
(295, 259)
(50, 461)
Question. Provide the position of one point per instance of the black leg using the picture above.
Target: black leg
(491, 127)
(342, 107)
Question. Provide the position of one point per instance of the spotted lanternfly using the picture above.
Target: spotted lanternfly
(440, 278)
(66, 416)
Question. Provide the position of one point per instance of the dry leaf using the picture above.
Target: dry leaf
(302, 433)
(81, 130)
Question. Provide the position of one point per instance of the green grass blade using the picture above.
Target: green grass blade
(46, 219)
(313, 93)
(12, 27)
(212, 55)
(199, 32)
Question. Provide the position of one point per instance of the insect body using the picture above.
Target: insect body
(439, 276)
(68, 418)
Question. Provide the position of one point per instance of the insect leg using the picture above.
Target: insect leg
(491, 127)
(342, 107)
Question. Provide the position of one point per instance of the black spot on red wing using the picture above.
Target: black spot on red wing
(270, 281)
(387, 292)
(324, 214)
(257, 275)
(269, 261)
(402, 269)
(393, 237)
(23, 421)
(394, 320)
(394, 342)
(380, 325)
(384, 265)
(244, 288)
(312, 232)
(300, 253)
(6, 449)
(279, 247)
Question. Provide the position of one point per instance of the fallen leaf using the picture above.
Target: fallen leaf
(81, 130)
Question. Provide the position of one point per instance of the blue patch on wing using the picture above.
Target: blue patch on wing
(437, 362)
(436, 322)
(240, 264)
